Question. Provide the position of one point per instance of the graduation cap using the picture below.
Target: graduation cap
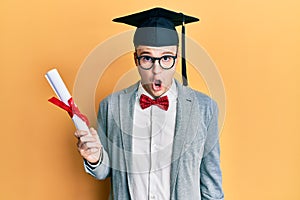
(156, 27)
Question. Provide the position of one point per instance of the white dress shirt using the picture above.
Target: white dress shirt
(153, 133)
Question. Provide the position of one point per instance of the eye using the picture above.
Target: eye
(166, 58)
(146, 58)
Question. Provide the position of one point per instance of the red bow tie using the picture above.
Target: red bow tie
(161, 102)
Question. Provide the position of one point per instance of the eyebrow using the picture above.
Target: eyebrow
(163, 53)
(169, 52)
(145, 52)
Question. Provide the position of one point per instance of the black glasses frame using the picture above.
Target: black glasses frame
(153, 59)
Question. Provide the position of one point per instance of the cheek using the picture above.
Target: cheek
(169, 74)
(143, 74)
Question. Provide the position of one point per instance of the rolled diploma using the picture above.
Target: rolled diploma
(63, 94)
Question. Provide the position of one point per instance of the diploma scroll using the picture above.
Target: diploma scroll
(65, 100)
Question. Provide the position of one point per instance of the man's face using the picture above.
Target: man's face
(156, 80)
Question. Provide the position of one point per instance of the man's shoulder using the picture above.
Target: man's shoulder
(201, 97)
(192, 93)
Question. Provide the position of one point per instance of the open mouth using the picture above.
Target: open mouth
(156, 85)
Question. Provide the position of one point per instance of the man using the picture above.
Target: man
(159, 139)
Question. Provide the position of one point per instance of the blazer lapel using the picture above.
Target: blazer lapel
(126, 105)
(183, 116)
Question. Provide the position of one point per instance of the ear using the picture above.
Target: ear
(135, 58)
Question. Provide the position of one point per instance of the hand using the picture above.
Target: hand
(89, 145)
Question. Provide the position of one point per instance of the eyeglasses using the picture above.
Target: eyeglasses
(166, 62)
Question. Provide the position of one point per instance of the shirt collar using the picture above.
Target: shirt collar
(171, 92)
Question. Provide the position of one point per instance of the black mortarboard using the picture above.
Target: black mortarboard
(156, 27)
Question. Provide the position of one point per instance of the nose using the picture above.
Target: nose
(156, 69)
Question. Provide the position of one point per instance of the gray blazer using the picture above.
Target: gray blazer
(195, 167)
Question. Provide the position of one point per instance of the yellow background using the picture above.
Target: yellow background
(255, 45)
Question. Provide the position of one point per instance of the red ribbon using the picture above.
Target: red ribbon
(72, 109)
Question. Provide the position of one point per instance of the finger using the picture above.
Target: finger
(89, 152)
(91, 145)
(87, 145)
(93, 131)
(92, 157)
(92, 150)
(88, 138)
(80, 133)
(81, 145)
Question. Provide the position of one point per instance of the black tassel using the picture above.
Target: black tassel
(183, 61)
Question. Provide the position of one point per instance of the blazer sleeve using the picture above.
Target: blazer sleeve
(210, 172)
(102, 169)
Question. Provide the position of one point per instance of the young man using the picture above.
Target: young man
(159, 139)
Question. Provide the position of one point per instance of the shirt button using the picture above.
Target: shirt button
(152, 196)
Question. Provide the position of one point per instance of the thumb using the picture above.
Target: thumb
(93, 131)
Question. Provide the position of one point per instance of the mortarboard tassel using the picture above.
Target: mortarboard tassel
(183, 61)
